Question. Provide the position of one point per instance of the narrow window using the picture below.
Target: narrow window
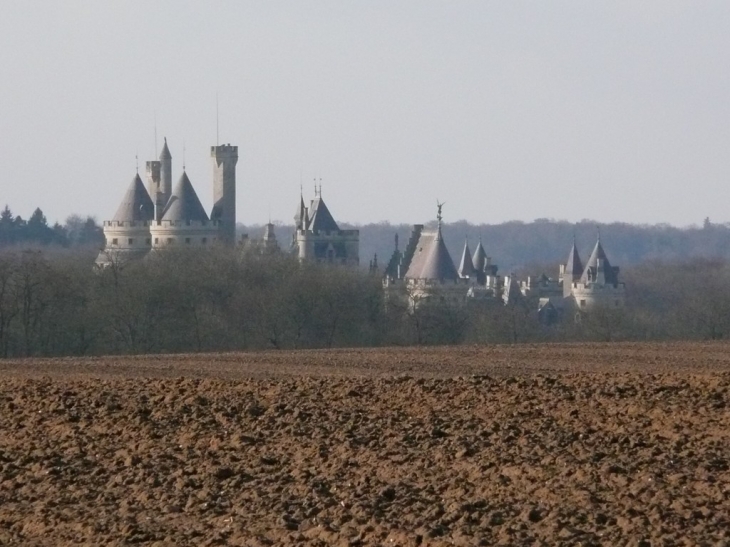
(114, 241)
(169, 240)
(582, 303)
(204, 240)
(148, 241)
(157, 240)
(131, 241)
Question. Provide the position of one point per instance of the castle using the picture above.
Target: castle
(424, 270)
(158, 216)
(318, 237)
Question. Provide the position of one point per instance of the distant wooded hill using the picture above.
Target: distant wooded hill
(525, 246)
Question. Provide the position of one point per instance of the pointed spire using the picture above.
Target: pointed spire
(479, 260)
(300, 217)
(466, 267)
(598, 264)
(574, 266)
(165, 154)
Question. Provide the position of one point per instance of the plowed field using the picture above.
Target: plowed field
(566, 444)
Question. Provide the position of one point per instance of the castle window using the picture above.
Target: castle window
(582, 303)
(157, 240)
(114, 241)
(169, 240)
(131, 241)
(204, 240)
(148, 241)
(187, 240)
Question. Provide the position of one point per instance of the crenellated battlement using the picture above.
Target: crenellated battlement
(126, 223)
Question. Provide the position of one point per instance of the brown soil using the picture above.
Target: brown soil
(580, 444)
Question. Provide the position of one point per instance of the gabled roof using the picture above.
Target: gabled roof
(165, 154)
(184, 203)
(320, 218)
(573, 267)
(609, 272)
(432, 260)
(479, 261)
(136, 203)
(466, 267)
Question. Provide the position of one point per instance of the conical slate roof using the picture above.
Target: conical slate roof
(438, 264)
(512, 293)
(136, 204)
(184, 203)
(320, 218)
(609, 272)
(479, 261)
(165, 154)
(573, 267)
(466, 267)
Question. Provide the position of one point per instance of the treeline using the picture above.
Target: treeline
(76, 232)
(188, 300)
(516, 245)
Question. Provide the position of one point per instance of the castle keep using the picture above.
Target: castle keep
(160, 215)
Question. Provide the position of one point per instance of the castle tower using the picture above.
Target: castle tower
(571, 272)
(225, 158)
(598, 284)
(128, 233)
(318, 237)
(165, 186)
(184, 220)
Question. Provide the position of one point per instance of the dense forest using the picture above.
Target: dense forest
(53, 301)
(221, 299)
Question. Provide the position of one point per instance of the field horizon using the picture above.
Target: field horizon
(580, 443)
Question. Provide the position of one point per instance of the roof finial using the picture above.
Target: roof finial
(598, 229)
(217, 138)
(183, 153)
(315, 187)
(439, 205)
(136, 161)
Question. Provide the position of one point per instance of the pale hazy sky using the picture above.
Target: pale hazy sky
(616, 110)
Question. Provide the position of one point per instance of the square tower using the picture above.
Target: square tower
(225, 158)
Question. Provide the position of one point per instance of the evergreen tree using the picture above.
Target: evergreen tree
(7, 227)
